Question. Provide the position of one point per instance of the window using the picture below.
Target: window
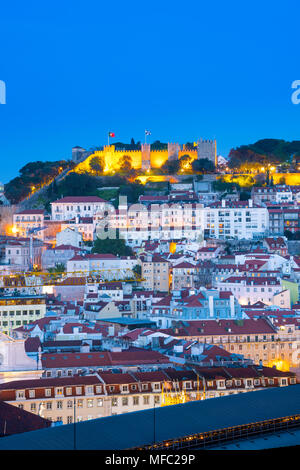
(99, 402)
(78, 390)
(156, 399)
(98, 389)
(114, 402)
(90, 403)
(146, 400)
(69, 391)
(89, 390)
(33, 407)
(69, 404)
(59, 392)
(69, 419)
(31, 393)
(124, 401)
(49, 405)
(20, 394)
(79, 403)
(48, 392)
(135, 401)
(125, 388)
(59, 405)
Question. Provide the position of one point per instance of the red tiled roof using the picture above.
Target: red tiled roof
(222, 327)
(31, 211)
(32, 344)
(184, 265)
(14, 420)
(79, 199)
(103, 358)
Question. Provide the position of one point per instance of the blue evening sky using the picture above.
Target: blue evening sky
(76, 69)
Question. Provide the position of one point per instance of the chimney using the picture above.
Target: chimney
(231, 300)
(111, 331)
(211, 305)
(223, 203)
(250, 203)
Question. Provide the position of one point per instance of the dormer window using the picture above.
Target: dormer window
(20, 394)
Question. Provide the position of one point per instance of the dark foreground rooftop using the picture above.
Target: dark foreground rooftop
(137, 429)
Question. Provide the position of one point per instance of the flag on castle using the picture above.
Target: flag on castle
(111, 134)
(147, 132)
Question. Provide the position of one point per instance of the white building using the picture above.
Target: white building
(20, 310)
(25, 221)
(14, 362)
(249, 290)
(138, 223)
(69, 236)
(77, 206)
(108, 266)
(230, 219)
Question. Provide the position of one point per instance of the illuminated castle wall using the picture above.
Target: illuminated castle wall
(147, 158)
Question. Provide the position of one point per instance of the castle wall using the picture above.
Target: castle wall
(111, 159)
(144, 158)
(158, 158)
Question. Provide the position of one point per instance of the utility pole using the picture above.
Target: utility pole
(154, 437)
(74, 427)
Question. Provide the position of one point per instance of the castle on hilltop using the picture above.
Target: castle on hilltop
(145, 158)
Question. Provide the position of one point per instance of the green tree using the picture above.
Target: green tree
(170, 167)
(96, 164)
(204, 165)
(115, 246)
(137, 269)
(125, 163)
(59, 268)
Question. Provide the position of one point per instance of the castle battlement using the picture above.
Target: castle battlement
(147, 158)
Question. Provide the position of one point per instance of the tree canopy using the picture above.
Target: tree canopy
(263, 152)
(115, 246)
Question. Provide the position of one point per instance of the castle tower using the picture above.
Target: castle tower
(207, 149)
(77, 154)
(146, 164)
(173, 150)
